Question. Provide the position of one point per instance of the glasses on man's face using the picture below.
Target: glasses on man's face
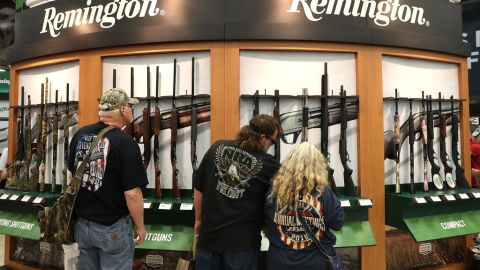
(271, 139)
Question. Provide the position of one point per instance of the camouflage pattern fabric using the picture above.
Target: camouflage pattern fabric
(55, 222)
(115, 98)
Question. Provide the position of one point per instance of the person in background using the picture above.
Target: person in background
(229, 193)
(475, 157)
(301, 182)
(3, 168)
(110, 194)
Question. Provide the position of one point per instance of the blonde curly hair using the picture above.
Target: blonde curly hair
(304, 170)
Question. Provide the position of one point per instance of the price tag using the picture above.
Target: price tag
(165, 206)
(186, 206)
(14, 197)
(147, 205)
(345, 203)
(26, 198)
(4, 196)
(365, 202)
(475, 194)
(38, 200)
(450, 197)
(420, 200)
(463, 196)
(435, 199)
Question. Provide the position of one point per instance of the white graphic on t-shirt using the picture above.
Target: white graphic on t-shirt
(290, 229)
(95, 169)
(235, 168)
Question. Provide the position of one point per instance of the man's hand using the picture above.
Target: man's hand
(140, 234)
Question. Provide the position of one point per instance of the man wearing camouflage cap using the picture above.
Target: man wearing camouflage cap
(110, 196)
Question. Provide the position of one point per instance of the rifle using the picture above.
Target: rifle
(459, 170)
(147, 152)
(396, 140)
(66, 136)
(175, 115)
(255, 104)
(20, 130)
(350, 189)
(443, 151)
(129, 129)
(203, 115)
(193, 138)
(291, 122)
(55, 145)
(114, 79)
(276, 115)
(43, 147)
(156, 143)
(324, 128)
(411, 141)
(432, 156)
(423, 123)
(28, 141)
(305, 115)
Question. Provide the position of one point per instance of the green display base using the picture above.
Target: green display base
(434, 214)
(356, 231)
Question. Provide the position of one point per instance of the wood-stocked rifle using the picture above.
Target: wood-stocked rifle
(147, 152)
(174, 119)
(193, 128)
(349, 185)
(448, 170)
(156, 140)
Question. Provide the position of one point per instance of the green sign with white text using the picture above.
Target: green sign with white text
(166, 237)
(4, 82)
(19, 225)
(443, 226)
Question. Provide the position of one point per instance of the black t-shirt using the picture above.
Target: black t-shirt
(234, 183)
(115, 168)
(290, 246)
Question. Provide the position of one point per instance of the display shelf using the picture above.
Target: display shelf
(434, 214)
(357, 230)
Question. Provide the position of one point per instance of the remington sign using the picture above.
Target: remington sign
(105, 15)
(69, 26)
(382, 12)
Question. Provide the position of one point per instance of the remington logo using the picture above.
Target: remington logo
(105, 15)
(4, 81)
(382, 12)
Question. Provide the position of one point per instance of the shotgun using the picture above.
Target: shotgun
(175, 115)
(443, 149)
(156, 143)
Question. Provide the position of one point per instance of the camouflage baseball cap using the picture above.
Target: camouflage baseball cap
(115, 98)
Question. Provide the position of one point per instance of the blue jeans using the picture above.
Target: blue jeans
(227, 260)
(105, 247)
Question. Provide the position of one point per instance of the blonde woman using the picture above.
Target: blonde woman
(301, 182)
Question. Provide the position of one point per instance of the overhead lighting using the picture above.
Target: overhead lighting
(455, 1)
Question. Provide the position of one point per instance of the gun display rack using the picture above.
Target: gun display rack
(152, 120)
(34, 150)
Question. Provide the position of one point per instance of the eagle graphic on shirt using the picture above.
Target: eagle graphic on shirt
(290, 229)
(235, 169)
